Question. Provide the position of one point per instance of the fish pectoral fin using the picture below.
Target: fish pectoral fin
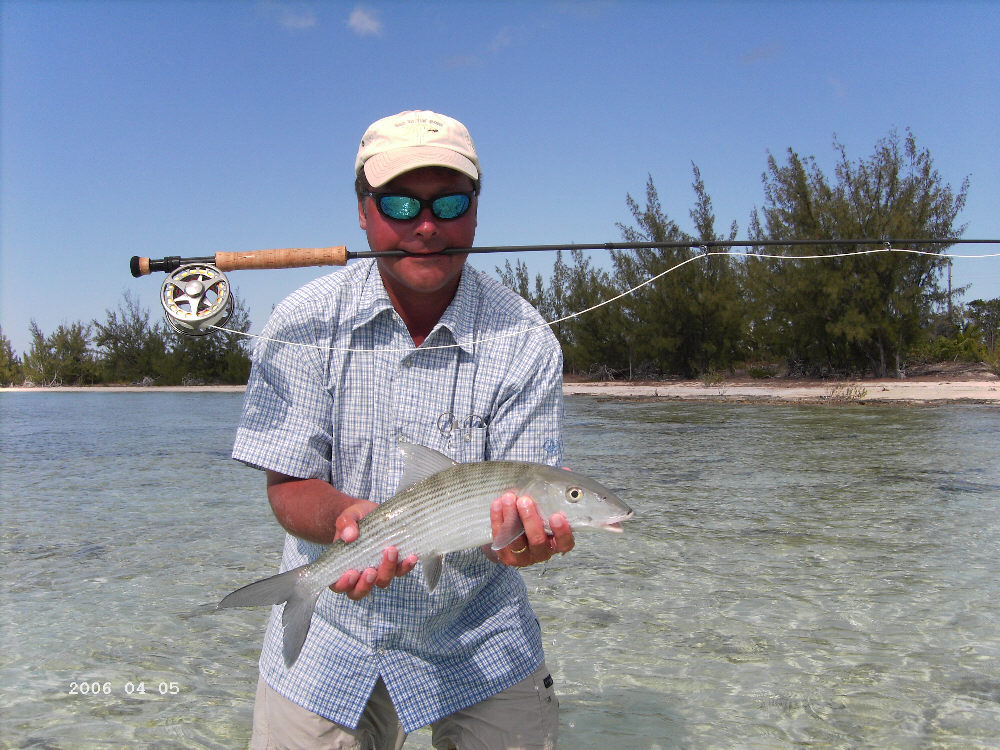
(296, 618)
(512, 529)
(431, 566)
(419, 463)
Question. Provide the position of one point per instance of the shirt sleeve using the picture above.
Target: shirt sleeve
(285, 425)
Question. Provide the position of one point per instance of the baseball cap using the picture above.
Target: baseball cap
(414, 139)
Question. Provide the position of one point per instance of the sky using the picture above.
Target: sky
(186, 128)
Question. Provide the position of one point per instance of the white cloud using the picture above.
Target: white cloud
(364, 21)
(293, 16)
(292, 19)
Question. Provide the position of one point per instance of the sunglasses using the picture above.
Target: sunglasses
(403, 207)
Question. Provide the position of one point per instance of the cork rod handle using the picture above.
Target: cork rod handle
(288, 257)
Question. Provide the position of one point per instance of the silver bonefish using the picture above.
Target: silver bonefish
(441, 506)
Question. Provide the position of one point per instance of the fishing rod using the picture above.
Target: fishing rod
(338, 255)
(196, 294)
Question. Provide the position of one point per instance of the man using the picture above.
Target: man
(425, 349)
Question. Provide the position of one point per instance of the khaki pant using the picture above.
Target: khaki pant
(523, 717)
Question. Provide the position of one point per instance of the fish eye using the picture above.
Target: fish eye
(574, 494)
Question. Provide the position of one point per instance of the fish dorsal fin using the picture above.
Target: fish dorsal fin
(419, 463)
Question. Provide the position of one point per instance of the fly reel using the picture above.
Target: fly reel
(195, 297)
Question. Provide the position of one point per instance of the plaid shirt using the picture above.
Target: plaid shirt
(335, 410)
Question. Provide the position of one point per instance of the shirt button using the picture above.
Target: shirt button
(380, 651)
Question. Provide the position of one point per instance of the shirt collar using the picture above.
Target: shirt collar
(458, 319)
(460, 316)
(373, 299)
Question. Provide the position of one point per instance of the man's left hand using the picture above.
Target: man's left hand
(535, 545)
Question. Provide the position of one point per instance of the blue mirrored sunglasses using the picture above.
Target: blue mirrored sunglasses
(403, 207)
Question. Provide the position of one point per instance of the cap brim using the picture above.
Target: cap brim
(383, 167)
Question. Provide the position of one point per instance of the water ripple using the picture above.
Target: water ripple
(795, 576)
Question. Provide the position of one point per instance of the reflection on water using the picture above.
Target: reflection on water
(794, 576)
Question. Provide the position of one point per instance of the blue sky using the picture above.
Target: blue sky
(184, 128)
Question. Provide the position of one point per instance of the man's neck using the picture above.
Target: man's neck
(420, 312)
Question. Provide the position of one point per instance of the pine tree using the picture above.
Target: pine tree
(863, 312)
(63, 358)
(11, 372)
(130, 349)
(690, 320)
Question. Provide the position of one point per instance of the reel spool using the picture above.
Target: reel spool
(195, 297)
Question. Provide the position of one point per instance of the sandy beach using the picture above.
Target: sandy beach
(929, 384)
(942, 384)
(833, 392)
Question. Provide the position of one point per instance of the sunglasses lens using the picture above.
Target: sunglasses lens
(401, 207)
(450, 206)
(406, 207)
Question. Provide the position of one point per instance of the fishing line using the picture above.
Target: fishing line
(622, 295)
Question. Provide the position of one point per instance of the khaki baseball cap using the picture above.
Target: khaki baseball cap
(414, 139)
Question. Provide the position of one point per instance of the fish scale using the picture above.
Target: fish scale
(442, 507)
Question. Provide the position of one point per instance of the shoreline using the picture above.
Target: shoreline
(908, 392)
(983, 389)
(124, 389)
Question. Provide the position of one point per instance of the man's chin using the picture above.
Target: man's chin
(426, 274)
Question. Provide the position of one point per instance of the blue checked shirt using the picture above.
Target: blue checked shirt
(336, 413)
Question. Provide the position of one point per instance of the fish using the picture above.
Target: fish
(440, 506)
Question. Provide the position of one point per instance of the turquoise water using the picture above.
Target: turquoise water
(795, 576)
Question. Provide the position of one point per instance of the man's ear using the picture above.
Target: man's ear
(362, 216)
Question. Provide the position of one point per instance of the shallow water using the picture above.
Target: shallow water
(795, 576)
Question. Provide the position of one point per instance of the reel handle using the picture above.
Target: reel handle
(288, 257)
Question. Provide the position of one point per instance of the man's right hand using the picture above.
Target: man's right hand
(357, 585)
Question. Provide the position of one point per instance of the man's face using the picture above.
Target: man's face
(420, 272)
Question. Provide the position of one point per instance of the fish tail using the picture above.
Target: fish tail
(284, 588)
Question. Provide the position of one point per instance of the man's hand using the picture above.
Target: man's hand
(357, 585)
(535, 545)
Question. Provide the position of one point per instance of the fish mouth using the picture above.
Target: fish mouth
(615, 522)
